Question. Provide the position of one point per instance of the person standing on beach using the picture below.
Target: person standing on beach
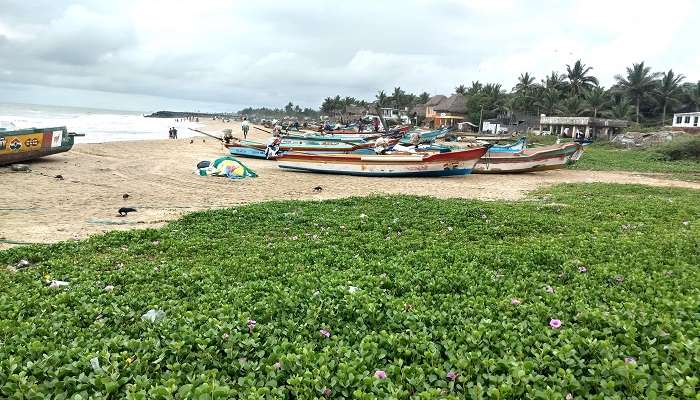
(245, 126)
(174, 133)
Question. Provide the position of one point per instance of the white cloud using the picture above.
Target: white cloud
(269, 52)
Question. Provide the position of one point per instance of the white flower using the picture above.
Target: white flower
(108, 288)
(363, 215)
(353, 289)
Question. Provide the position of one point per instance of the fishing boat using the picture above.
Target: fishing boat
(18, 145)
(516, 147)
(385, 165)
(249, 148)
(425, 137)
(336, 137)
(529, 160)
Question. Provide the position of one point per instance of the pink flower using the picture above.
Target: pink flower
(225, 336)
(251, 324)
(451, 376)
(550, 289)
(327, 392)
(630, 360)
(582, 269)
(325, 333)
(555, 323)
(515, 301)
(379, 374)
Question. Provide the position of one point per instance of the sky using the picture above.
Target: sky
(223, 55)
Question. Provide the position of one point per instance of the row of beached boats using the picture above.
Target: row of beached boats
(356, 154)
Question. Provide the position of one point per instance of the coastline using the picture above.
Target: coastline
(159, 177)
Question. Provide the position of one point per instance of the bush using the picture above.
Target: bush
(682, 148)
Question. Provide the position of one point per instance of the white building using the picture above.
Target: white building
(686, 120)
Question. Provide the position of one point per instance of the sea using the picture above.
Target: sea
(98, 125)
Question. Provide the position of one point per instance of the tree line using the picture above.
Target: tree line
(640, 94)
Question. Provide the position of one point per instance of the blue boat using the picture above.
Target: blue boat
(425, 137)
(516, 147)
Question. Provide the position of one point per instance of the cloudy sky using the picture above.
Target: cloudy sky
(224, 54)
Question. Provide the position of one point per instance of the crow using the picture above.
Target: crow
(59, 177)
(318, 189)
(191, 141)
(125, 196)
(125, 210)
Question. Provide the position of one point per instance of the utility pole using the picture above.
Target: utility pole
(481, 117)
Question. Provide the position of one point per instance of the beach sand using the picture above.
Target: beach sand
(158, 175)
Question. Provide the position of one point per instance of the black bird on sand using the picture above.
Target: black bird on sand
(125, 210)
(318, 189)
(59, 177)
(191, 141)
(125, 196)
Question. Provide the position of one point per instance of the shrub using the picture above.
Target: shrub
(682, 148)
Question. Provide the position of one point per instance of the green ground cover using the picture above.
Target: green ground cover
(603, 157)
(386, 297)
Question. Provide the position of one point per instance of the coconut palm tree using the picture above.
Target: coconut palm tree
(381, 98)
(638, 83)
(555, 81)
(620, 109)
(668, 92)
(525, 84)
(573, 106)
(693, 95)
(578, 79)
(424, 97)
(549, 100)
(398, 97)
(596, 99)
(461, 89)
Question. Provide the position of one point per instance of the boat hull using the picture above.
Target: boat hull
(530, 160)
(30, 144)
(404, 165)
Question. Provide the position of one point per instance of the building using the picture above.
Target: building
(591, 127)
(511, 122)
(450, 111)
(689, 122)
(418, 114)
(389, 113)
(430, 108)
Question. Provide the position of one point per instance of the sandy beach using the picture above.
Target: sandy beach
(158, 176)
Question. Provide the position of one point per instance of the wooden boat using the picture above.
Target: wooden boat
(386, 165)
(28, 144)
(248, 148)
(529, 160)
(516, 147)
(333, 137)
(425, 137)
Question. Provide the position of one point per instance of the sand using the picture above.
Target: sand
(158, 176)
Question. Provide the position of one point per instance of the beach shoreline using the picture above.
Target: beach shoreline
(158, 176)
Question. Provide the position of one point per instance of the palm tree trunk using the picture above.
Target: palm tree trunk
(595, 112)
(638, 98)
(663, 118)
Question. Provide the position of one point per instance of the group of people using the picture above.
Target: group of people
(173, 133)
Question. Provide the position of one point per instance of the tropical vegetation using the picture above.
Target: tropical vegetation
(579, 291)
(640, 94)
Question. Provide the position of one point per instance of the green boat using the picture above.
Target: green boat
(29, 144)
